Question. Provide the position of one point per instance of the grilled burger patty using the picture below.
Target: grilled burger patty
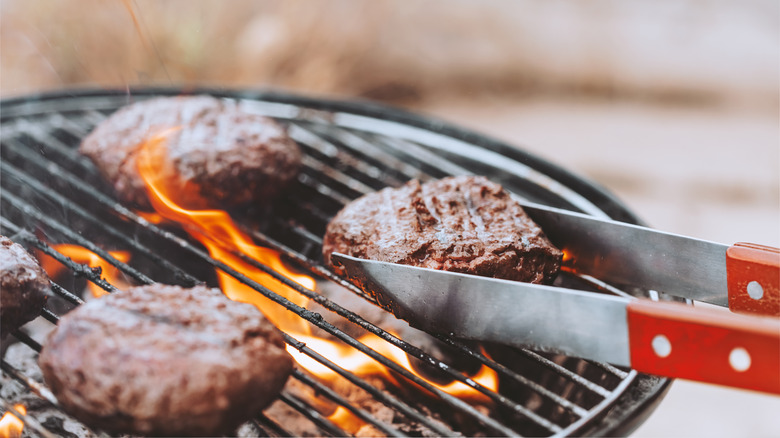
(164, 360)
(24, 286)
(463, 224)
(233, 156)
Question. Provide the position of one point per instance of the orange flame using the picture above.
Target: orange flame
(219, 234)
(82, 255)
(10, 425)
(151, 217)
(361, 364)
(346, 419)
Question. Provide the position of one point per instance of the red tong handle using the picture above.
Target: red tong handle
(706, 345)
(753, 276)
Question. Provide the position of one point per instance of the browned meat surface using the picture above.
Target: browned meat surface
(233, 156)
(164, 360)
(24, 286)
(463, 224)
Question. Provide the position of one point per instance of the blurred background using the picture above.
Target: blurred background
(674, 106)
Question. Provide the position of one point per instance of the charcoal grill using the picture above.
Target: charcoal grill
(52, 194)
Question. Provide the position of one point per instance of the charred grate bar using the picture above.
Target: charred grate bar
(31, 211)
(350, 150)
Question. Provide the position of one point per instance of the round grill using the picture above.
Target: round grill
(51, 194)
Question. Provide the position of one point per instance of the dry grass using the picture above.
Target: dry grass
(390, 50)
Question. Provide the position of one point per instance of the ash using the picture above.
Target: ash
(279, 418)
(24, 359)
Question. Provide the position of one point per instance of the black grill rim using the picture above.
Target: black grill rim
(598, 195)
(637, 400)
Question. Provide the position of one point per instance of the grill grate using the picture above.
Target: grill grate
(350, 150)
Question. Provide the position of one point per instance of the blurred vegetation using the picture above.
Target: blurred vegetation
(694, 50)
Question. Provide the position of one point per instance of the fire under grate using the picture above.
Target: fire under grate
(51, 195)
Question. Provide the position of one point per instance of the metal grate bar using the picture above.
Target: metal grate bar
(43, 392)
(113, 232)
(299, 230)
(421, 355)
(64, 293)
(79, 269)
(273, 425)
(33, 344)
(113, 205)
(606, 288)
(368, 151)
(386, 399)
(235, 274)
(323, 189)
(295, 403)
(54, 143)
(267, 241)
(589, 385)
(344, 159)
(50, 316)
(437, 165)
(93, 117)
(26, 420)
(411, 350)
(320, 148)
(352, 317)
(592, 386)
(317, 320)
(33, 212)
(318, 168)
(503, 370)
(565, 372)
(314, 416)
(313, 145)
(13, 133)
(325, 172)
(610, 368)
(36, 388)
(602, 286)
(311, 209)
(341, 401)
(24, 235)
(315, 269)
(24, 337)
(77, 130)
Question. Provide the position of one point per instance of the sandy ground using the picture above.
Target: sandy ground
(711, 173)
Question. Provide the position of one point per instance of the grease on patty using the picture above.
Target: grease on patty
(164, 360)
(463, 224)
(229, 154)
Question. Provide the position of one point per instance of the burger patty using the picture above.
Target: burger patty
(164, 360)
(463, 224)
(231, 156)
(24, 286)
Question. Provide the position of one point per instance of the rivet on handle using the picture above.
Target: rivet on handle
(661, 346)
(707, 345)
(753, 277)
(739, 359)
(755, 290)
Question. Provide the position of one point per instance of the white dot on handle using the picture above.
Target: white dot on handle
(755, 290)
(739, 359)
(661, 346)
